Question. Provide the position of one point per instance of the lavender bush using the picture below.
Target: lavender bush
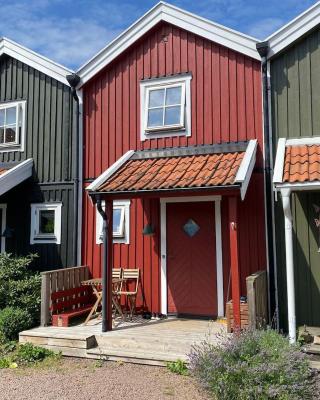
(253, 365)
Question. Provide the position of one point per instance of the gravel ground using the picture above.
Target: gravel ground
(74, 379)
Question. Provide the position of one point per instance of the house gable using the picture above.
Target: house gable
(164, 12)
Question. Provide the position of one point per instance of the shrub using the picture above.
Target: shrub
(25, 355)
(20, 287)
(178, 367)
(252, 365)
(28, 353)
(12, 321)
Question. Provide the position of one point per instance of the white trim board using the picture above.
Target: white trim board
(176, 16)
(15, 175)
(163, 247)
(110, 171)
(34, 60)
(279, 163)
(246, 167)
(292, 31)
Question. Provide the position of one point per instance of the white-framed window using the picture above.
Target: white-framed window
(165, 107)
(45, 223)
(12, 126)
(121, 222)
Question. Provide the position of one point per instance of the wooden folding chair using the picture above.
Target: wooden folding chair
(130, 277)
(116, 288)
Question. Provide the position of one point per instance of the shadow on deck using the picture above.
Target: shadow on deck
(139, 341)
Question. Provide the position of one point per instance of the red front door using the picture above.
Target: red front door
(191, 259)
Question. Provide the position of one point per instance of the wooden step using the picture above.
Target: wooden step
(135, 356)
(57, 339)
(312, 349)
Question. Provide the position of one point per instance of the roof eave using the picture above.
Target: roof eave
(34, 60)
(294, 30)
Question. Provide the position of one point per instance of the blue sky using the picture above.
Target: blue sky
(72, 31)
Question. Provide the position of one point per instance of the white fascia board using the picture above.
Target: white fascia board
(246, 167)
(185, 20)
(110, 171)
(15, 175)
(34, 60)
(295, 187)
(279, 163)
(309, 141)
(292, 31)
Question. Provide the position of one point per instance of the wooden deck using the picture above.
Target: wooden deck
(145, 342)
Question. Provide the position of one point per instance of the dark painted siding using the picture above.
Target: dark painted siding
(49, 111)
(49, 140)
(295, 92)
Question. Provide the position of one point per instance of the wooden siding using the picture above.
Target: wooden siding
(49, 141)
(295, 94)
(49, 110)
(18, 202)
(226, 106)
(225, 97)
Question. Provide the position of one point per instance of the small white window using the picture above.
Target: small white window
(165, 107)
(45, 223)
(12, 117)
(121, 222)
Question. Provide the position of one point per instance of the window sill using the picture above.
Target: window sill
(158, 134)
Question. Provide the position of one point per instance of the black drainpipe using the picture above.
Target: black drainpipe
(263, 49)
(74, 80)
(104, 264)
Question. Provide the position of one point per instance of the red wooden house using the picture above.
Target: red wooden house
(173, 152)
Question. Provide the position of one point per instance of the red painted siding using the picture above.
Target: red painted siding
(226, 106)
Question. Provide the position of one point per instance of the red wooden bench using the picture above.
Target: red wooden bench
(70, 303)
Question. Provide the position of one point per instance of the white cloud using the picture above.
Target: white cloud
(263, 28)
(70, 40)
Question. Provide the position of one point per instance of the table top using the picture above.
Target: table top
(98, 281)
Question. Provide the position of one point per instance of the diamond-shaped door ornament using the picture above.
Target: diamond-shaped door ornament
(191, 227)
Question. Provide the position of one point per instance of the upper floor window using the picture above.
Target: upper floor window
(12, 116)
(165, 107)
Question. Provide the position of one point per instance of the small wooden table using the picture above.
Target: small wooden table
(96, 285)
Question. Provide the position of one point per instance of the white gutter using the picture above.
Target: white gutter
(285, 193)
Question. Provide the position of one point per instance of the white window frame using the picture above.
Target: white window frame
(18, 145)
(182, 129)
(35, 237)
(123, 236)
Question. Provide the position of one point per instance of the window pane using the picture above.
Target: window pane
(172, 115)
(116, 219)
(2, 113)
(173, 95)
(10, 135)
(156, 98)
(155, 117)
(1, 135)
(11, 116)
(46, 222)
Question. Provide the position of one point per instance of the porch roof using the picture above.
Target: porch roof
(198, 167)
(297, 165)
(11, 174)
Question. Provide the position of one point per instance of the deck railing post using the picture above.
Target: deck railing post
(45, 300)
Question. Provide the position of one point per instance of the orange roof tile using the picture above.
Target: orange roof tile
(175, 172)
(301, 163)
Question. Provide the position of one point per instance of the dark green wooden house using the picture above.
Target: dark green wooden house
(38, 165)
(293, 67)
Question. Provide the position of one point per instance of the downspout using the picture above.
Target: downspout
(285, 194)
(104, 264)
(73, 81)
(263, 49)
